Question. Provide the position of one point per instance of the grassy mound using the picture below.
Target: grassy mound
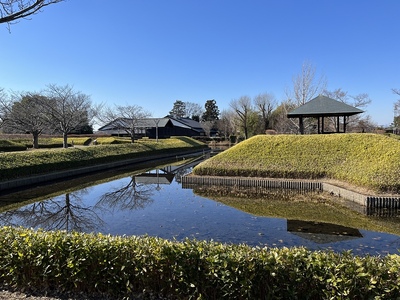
(367, 160)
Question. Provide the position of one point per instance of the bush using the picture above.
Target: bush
(122, 266)
(9, 146)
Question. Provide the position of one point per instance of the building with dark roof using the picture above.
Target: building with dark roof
(155, 127)
(322, 107)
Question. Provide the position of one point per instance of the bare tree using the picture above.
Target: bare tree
(27, 115)
(13, 10)
(359, 101)
(242, 107)
(226, 124)
(66, 109)
(207, 126)
(265, 104)
(193, 111)
(126, 118)
(306, 86)
(396, 110)
(281, 123)
(5, 107)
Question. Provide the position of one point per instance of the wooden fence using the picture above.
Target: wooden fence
(193, 181)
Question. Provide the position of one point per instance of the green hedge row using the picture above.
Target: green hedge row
(21, 164)
(118, 267)
(8, 146)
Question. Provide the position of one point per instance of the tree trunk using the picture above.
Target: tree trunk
(132, 134)
(65, 140)
(35, 140)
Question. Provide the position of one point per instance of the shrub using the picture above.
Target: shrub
(122, 266)
(8, 146)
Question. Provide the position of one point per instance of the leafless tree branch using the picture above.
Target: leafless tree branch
(13, 10)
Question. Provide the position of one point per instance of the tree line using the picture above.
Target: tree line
(247, 116)
(62, 110)
(55, 110)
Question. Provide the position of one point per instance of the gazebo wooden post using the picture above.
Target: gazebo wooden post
(344, 124)
(338, 124)
(323, 129)
(319, 127)
(301, 125)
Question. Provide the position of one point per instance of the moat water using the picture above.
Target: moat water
(154, 203)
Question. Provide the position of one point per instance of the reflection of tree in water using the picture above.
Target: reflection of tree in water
(128, 197)
(67, 213)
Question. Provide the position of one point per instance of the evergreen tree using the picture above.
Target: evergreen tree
(212, 111)
(179, 109)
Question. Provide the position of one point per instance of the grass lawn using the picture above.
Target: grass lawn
(367, 160)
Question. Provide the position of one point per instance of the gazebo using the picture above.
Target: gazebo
(321, 107)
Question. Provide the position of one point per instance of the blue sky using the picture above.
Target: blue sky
(153, 52)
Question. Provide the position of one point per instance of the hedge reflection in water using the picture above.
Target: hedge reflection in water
(154, 203)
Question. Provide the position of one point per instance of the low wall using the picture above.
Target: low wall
(191, 181)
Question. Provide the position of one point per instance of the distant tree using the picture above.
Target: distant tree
(279, 119)
(359, 101)
(396, 108)
(211, 111)
(179, 109)
(242, 107)
(66, 109)
(4, 107)
(28, 115)
(13, 10)
(226, 124)
(126, 118)
(207, 126)
(265, 104)
(305, 85)
(193, 111)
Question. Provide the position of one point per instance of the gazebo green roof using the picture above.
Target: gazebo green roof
(323, 106)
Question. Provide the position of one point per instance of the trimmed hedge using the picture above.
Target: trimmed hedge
(21, 164)
(367, 160)
(9, 146)
(96, 264)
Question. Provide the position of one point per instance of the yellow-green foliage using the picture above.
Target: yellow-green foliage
(77, 141)
(368, 160)
(118, 267)
(9, 145)
(113, 140)
(20, 164)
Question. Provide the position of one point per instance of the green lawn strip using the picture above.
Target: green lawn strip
(21, 164)
(96, 264)
(368, 160)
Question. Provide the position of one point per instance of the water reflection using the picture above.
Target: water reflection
(154, 203)
(128, 195)
(322, 233)
(66, 212)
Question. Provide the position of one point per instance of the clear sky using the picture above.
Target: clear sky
(153, 52)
